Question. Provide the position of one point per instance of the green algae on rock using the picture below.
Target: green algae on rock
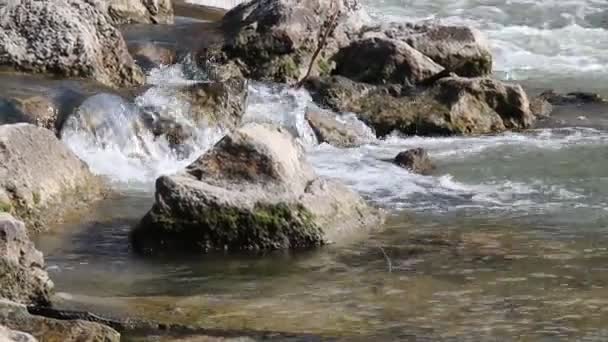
(252, 191)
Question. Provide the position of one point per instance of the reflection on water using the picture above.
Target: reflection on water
(446, 277)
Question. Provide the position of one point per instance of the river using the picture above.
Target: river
(506, 241)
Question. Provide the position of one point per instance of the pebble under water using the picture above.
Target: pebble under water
(507, 240)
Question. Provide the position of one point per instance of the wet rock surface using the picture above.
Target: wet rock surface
(415, 160)
(252, 191)
(66, 38)
(337, 130)
(41, 178)
(453, 105)
(22, 275)
(16, 317)
(140, 11)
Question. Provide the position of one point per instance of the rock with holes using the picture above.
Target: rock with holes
(139, 11)
(459, 49)
(40, 178)
(16, 317)
(453, 105)
(22, 275)
(416, 160)
(252, 191)
(66, 38)
(275, 40)
(39, 110)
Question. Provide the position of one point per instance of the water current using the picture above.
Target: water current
(506, 241)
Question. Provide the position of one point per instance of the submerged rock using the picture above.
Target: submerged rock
(67, 38)
(275, 40)
(16, 317)
(336, 131)
(22, 275)
(252, 191)
(415, 160)
(40, 178)
(453, 105)
(140, 11)
(459, 49)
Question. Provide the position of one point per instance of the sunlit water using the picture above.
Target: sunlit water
(506, 241)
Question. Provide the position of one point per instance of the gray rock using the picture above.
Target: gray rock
(275, 40)
(380, 60)
(220, 103)
(572, 98)
(67, 38)
(8, 335)
(415, 160)
(460, 49)
(340, 133)
(16, 317)
(453, 105)
(149, 55)
(540, 107)
(252, 191)
(40, 178)
(22, 275)
(140, 11)
(39, 110)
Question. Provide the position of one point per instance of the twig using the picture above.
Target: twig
(389, 263)
(330, 26)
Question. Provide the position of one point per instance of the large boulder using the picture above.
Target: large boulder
(22, 275)
(140, 11)
(16, 317)
(67, 38)
(453, 105)
(380, 60)
(460, 49)
(252, 191)
(40, 178)
(275, 40)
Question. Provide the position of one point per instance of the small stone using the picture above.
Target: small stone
(415, 160)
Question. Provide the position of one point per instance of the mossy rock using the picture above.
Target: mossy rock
(265, 227)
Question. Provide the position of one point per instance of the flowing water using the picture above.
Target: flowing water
(507, 240)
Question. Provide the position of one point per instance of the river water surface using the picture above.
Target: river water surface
(507, 240)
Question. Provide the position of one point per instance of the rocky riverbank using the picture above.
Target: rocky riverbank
(253, 190)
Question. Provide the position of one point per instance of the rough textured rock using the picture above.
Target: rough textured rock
(335, 130)
(218, 102)
(460, 49)
(380, 60)
(8, 335)
(415, 160)
(572, 98)
(454, 105)
(67, 38)
(252, 191)
(149, 55)
(540, 107)
(276, 39)
(37, 109)
(40, 178)
(22, 275)
(140, 11)
(16, 317)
